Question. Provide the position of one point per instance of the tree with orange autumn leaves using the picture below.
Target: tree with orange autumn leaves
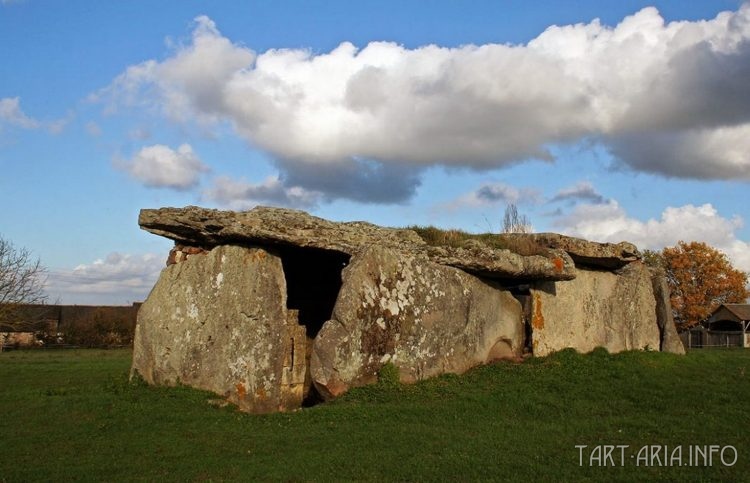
(700, 278)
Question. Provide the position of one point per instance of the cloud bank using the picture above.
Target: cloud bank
(609, 222)
(243, 195)
(117, 279)
(665, 98)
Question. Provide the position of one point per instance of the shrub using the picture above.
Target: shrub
(99, 327)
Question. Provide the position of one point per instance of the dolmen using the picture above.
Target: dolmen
(273, 308)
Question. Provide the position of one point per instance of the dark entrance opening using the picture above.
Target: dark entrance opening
(313, 281)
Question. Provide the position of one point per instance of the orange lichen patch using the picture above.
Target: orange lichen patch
(537, 320)
(260, 393)
(559, 264)
(241, 391)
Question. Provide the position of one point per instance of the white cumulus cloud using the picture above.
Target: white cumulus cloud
(610, 223)
(362, 123)
(160, 166)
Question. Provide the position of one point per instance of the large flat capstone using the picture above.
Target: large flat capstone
(425, 318)
(219, 322)
(265, 226)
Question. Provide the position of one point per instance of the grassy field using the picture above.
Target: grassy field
(72, 415)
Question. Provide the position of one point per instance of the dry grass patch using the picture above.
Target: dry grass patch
(522, 245)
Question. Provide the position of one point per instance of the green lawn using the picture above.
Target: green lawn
(72, 415)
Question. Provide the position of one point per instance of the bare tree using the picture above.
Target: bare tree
(515, 223)
(21, 282)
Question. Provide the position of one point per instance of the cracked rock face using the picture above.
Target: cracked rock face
(219, 322)
(425, 318)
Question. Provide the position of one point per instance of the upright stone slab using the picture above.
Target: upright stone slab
(425, 318)
(219, 322)
(670, 340)
(596, 309)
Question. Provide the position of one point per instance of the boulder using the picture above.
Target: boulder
(670, 340)
(264, 226)
(583, 252)
(425, 318)
(598, 308)
(219, 322)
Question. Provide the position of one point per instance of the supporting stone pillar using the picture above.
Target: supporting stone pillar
(219, 322)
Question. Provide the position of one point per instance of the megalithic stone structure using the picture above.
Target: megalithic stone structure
(272, 307)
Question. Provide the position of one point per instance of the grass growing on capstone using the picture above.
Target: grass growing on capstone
(521, 245)
(72, 415)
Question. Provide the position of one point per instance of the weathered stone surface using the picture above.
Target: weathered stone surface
(584, 252)
(670, 340)
(425, 318)
(227, 319)
(294, 386)
(277, 226)
(612, 310)
(219, 322)
(477, 258)
(193, 225)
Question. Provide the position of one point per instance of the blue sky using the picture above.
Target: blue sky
(635, 126)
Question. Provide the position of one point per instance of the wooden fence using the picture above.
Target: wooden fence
(695, 339)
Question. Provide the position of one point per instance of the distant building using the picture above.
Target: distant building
(30, 325)
(728, 326)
